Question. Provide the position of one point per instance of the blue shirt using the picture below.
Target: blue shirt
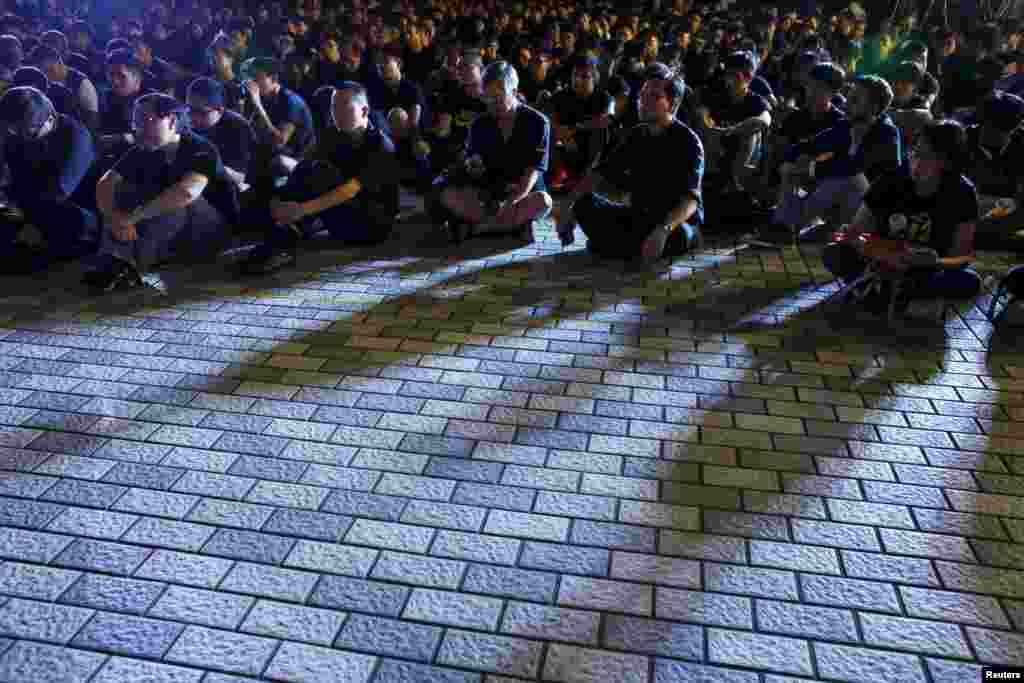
(848, 161)
(51, 168)
(283, 108)
(506, 161)
(640, 165)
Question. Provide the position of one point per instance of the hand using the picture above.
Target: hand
(285, 213)
(252, 90)
(654, 245)
(122, 228)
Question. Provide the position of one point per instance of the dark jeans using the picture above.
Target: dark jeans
(615, 230)
(70, 229)
(186, 230)
(350, 221)
(846, 263)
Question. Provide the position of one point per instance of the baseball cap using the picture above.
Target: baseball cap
(1003, 110)
(207, 89)
(828, 74)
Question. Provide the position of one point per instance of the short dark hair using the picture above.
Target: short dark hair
(43, 56)
(11, 53)
(948, 138)
(125, 57)
(209, 89)
(879, 90)
(357, 89)
(25, 107)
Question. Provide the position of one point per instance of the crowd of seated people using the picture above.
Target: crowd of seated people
(134, 137)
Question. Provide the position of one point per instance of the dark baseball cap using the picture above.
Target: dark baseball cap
(1003, 110)
(209, 90)
(24, 109)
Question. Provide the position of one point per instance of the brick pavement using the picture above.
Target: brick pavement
(501, 465)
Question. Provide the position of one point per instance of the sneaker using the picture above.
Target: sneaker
(117, 274)
(264, 260)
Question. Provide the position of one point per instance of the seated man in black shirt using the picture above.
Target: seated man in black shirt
(733, 122)
(229, 132)
(506, 157)
(115, 134)
(154, 199)
(82, 89)
(581, 118)
(933, 207)
(49, 154)
(392, 91)
(845, 158)
(665, 210)
(349, 186)
(996, 148)
(60, 96)
(282, 122)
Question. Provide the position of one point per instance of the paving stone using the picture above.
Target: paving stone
(511, 583)
(665, 571)
(501, 497)
(389, 637)
(112, 593)
(453, 609)
(166, 533)
(570, 664)
(997, 647)
(92, 523)
(803, 620)
(483, 652)
(293, 622)
(338, 592)
(249, 545)
(561, 558)
(854, 664)
(964, 608)
(123, 670)
(393, 671)
(850, 593)
(654, 637)
(774, 653)
(128, 635)
(27, 662)
(767, 583)
(31, 546)
(222, 651)
(332, 558)
(184, 568)
(601, 594)
(203, 607)
(418, 570)
(269, 582)
(671, 671)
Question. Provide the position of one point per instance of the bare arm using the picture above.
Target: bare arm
(755, 124)
(525, 185)
(106, 191)
(339, 195)
(177, 196)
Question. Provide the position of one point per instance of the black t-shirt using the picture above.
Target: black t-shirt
(54, 166)
(116, 113)
(570, 110)
(801, 126)
(506, 161)
(234, 140)
(406, 95)
(930, 221)
(374, 162)
(464, 110)
(639, 166)
(156, 170)
(726, 112)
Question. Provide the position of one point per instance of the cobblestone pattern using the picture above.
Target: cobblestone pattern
(503, 466)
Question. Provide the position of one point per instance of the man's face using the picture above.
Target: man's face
(655, 101)
(524, 57)
(583, 81)
(391, 70)
(819, 96)
(266, 83)
(124, 80)
(683, 40)
(539, 66)
(651, 47)
(569, 42)
(350, 113)
(500, 103)
(203, 115)
(153, 130)
(470, 74)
